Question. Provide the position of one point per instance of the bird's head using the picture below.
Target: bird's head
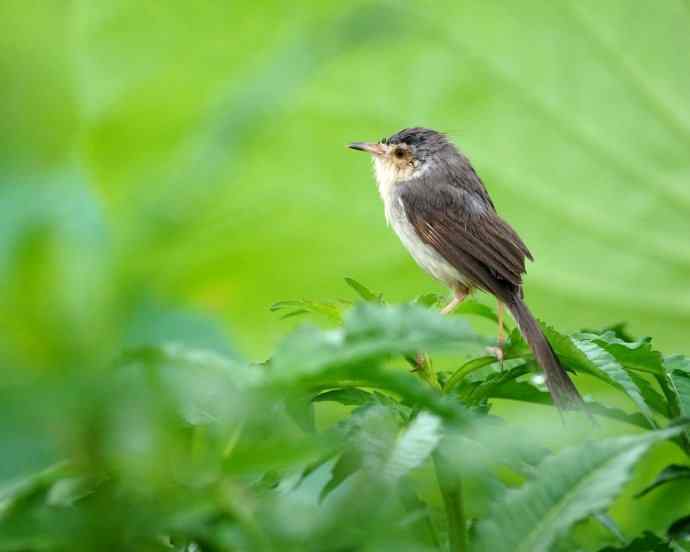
(405, 155)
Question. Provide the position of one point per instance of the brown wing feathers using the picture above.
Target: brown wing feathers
(479, 244)
(486, 251)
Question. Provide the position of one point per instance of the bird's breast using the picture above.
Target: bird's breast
(425, 255)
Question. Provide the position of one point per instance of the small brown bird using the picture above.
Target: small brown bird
(444, 216)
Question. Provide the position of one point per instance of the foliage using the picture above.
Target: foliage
(170, 169)
(332, 443)
(212, 134)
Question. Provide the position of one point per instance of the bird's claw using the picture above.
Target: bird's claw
(422, 362)
(498, 353)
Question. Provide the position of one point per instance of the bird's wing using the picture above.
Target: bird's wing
(461, 174)
(468, 233)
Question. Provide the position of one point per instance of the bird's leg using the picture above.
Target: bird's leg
(459, 294)
(498, 351)
(422, 360)
(501, 333)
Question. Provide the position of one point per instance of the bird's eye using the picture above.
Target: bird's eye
(383, 140)
(398, 153)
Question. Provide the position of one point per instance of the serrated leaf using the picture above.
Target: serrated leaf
(413, 446)
(677, 362)
(348, 396)
(347, 464)
(680, 529)
(467, 368)
(363, 291)
(580, 354)
(429, 300)
(301, 410)
(635, 418)
(328, 309)
(681, 383)
(278, 305)
(604, 365)
(508, 389)
(390, 455)
(609, 523)
(673, 472)
(516, 345)
(571, 485)
(419, 511)
(634, 355)
(650, 395)
(474, 307)
(197, 380)
(294, 313)
(371, 332)
(648, 542)
(473, 393)
(13, 493)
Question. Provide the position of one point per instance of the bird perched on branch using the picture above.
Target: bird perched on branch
(444, 216)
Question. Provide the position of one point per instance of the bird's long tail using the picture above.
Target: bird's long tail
(562, 389)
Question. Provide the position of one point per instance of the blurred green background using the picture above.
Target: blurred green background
(170, 169)
(160, 154)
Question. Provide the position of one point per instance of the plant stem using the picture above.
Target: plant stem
(451, 491)
(413, 504)
(424, 369)
(467, 368)
(448, 478)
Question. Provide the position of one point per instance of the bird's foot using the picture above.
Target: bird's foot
(497, 352)
(421, 361)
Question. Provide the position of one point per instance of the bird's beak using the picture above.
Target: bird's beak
(374, 149)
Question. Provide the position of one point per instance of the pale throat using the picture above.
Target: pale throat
(389, 175)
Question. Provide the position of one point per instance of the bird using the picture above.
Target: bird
(441, 211)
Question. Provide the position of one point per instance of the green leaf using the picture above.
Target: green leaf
(349, 396)
(347, 464)
(14, 493)
(580, 354)
(648, 542)
(413, 446)
(429, 300)
(670, 473)
(474, 307)
(419, 511)
(681, 384)
(328, 309)
(680, 529)
(475, 392)
(676, 387)
(363, 291)
(390, 455)
(467, 368)
(571, 485)
(301, 410)
(298, 312)
(650, 395)
(635, 419)
(504, 386)
(370, 332)
(634, 355)
(610, 525)
(677, 362)
(198, 381)
(604, 365)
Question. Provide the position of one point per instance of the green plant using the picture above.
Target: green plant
(335, 443)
